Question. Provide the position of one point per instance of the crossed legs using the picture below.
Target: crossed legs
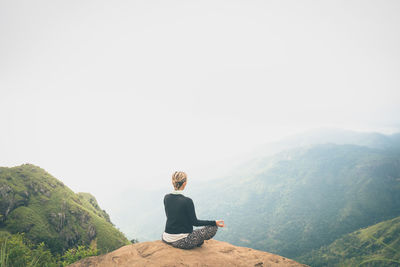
(196, 238)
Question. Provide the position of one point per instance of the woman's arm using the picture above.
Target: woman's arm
(193, 218)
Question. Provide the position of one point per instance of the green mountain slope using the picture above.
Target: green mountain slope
(305, 198)
(377, 245)
(37, 204)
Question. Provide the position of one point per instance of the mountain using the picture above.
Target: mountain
(122, 203)
(331, 135)
(35, 203)
(304, 198)
(377, 245)
(291, 202)
(211, 253)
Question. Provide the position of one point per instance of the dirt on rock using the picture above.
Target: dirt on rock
(211, 253)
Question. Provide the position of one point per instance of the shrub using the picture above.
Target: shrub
(74, 254)
(16, 251)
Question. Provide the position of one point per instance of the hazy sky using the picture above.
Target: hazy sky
(107, 94)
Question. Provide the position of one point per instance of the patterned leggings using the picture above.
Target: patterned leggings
(196, 238)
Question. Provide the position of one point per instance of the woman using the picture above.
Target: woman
(181, 217)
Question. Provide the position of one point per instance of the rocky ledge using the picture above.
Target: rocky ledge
(211, 253)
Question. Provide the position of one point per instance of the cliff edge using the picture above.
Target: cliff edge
(211, 253)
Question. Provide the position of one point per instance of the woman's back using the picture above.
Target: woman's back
(177, 217)
(181, 216)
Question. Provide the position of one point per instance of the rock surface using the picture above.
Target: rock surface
(211, 253)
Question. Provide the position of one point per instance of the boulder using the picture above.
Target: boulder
(211, 253)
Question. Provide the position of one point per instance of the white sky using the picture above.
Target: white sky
(112, 94)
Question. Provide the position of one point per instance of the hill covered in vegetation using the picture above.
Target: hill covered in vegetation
(304, 198)
(44, 210)
(377, 245)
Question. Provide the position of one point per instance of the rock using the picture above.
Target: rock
(211, 253)
(7, 201)
(91, 232)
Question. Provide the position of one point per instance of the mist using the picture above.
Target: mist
(108, 96)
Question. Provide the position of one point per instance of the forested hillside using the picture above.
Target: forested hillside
(301, 199)
(46, 211)
(377, 245)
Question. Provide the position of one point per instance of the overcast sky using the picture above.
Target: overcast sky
(111, 94)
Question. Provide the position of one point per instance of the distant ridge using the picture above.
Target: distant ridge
(331, 135)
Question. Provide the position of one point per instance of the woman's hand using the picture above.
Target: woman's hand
(220, 223)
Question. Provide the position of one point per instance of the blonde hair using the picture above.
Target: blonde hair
(178, 179)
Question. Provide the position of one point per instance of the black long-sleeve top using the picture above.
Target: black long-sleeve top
(181, 216)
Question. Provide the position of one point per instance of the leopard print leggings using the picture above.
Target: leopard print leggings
(196, 238)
